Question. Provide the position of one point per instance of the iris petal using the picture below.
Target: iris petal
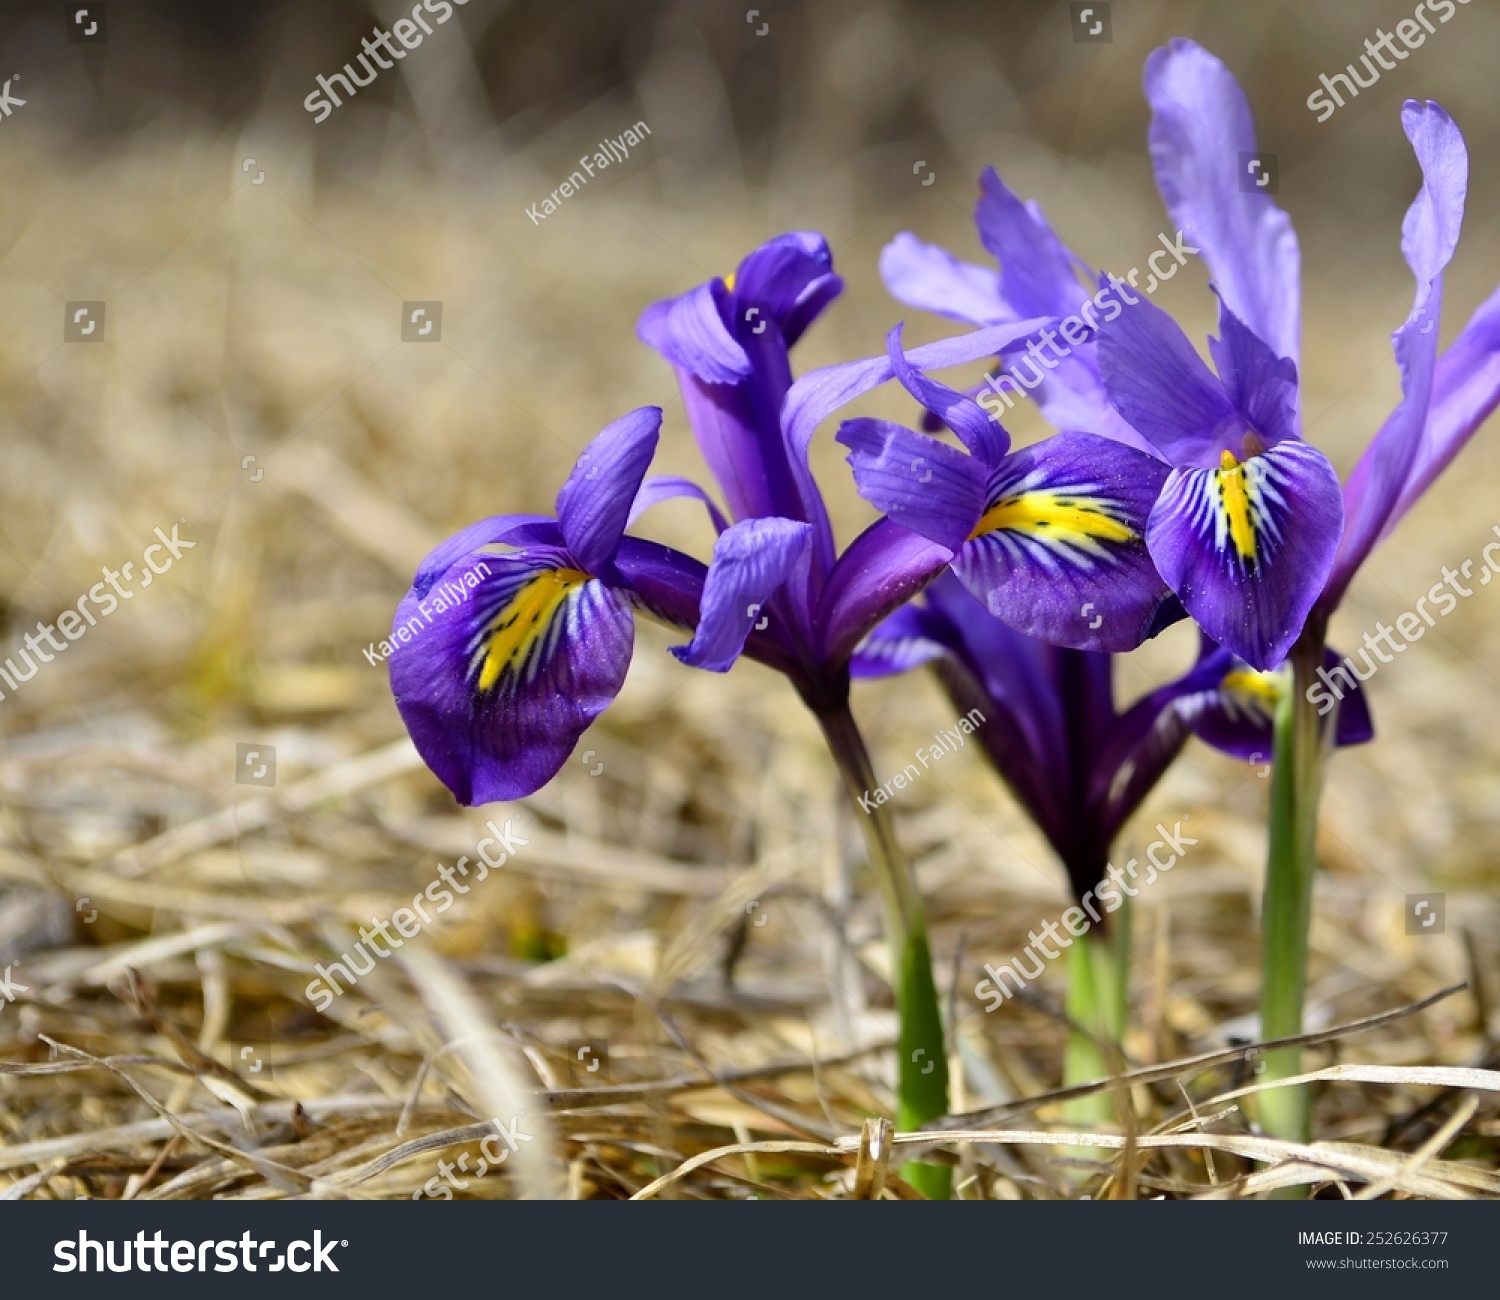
(1038, 275)
(1465, 391)
(751, 561)
(496, 689)
(885, 566)
(926, 276)
(664, 487)
(818, 394)
(921, 483)
(789, 278)
(983, 436)
(1235, 712)
(905, 640)
(1201, 137)
(1378, 488)
(1248, 546)
(689, 331)
(497, 530)
(1159, 383)
(1059, 551)
(1260, 385)
(594, 503)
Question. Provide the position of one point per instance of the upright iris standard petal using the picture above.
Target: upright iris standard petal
(1159, 383)
(1203, 146)
(1039, 276)
(1038, 279)
(1428, 237)
(1059, 550)
(734, 399)
(1465, 392)
(791, 278)
(496, 692)
(926, 276)
(1261, 386)
(751, 562)
(1248, 546)
(594, 504)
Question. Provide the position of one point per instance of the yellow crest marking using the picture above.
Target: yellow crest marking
(729, 282)
(1234, 502)
(1075, 521)
(1261, 689)
(515, 630)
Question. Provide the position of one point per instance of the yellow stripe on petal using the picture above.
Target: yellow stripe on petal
(1262, 690)
(1236, 504)
(514, 632)
(1061, 517)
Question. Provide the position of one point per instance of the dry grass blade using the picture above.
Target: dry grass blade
(874, 1159)
(1188, 1065)
(498, 1087)
(1429, 1149)
(1426, 1076)
(734, 1149)
(1359, 1163)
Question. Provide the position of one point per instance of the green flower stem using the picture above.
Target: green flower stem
(1098, 988)
(1299, 759)
(921, 1059)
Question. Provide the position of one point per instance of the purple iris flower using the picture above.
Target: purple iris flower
(1251, 530)
(503, 660)
(777, 589)
(1051, 728)
(1051, 537)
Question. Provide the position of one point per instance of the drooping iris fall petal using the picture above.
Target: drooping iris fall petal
(496, 692)
(502, 660)
(1051, 538)
(1059, 550)
(1248, 546)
